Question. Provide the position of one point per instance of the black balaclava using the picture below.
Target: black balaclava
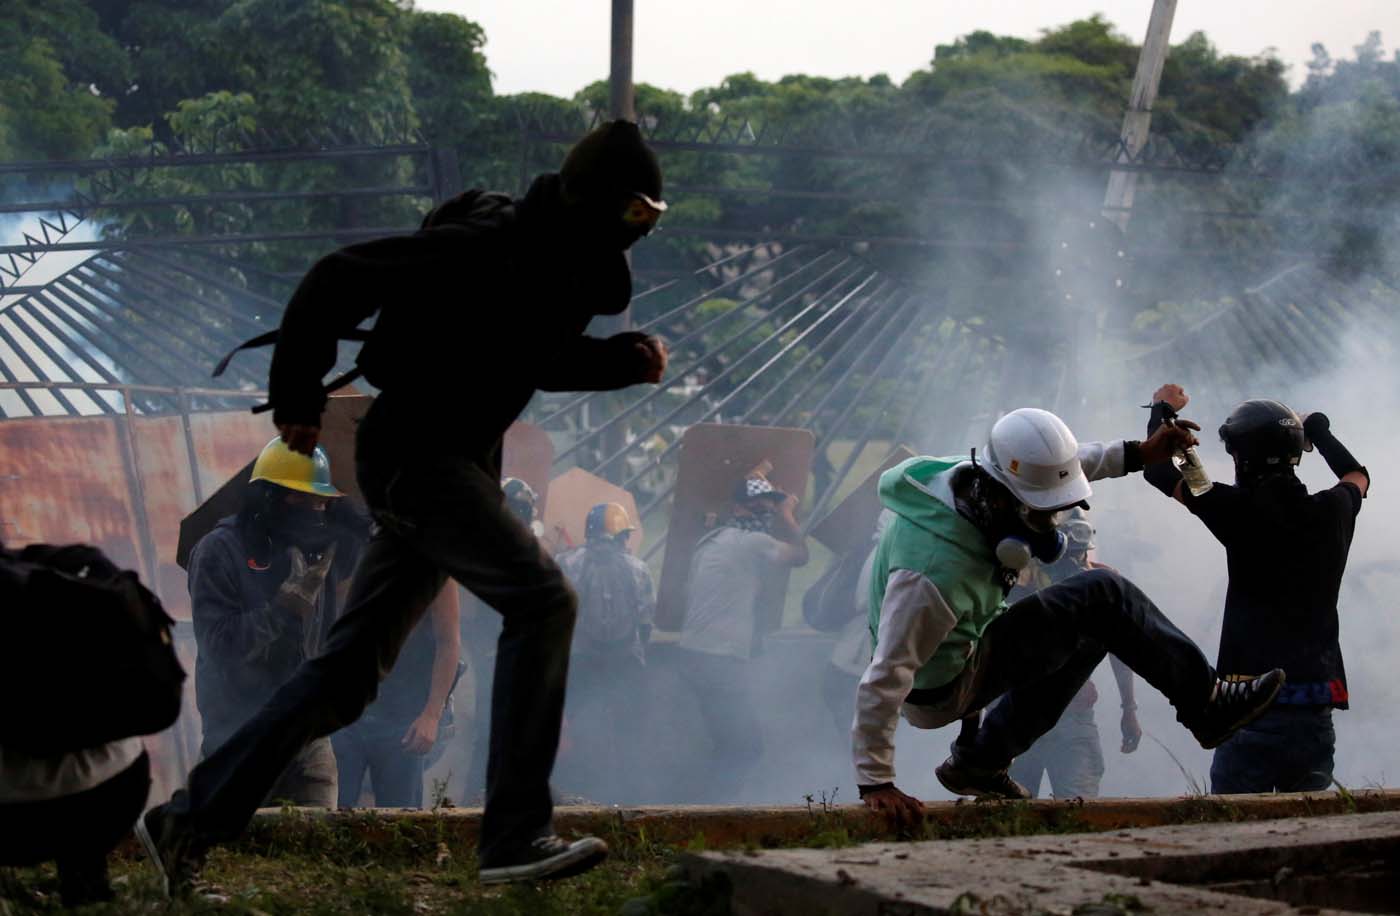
(302, 527)
(601, 171)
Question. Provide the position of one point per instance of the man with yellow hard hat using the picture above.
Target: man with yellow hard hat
(262, 596)
(616, 612)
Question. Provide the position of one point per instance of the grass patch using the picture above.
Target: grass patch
(239, 882)
(365, 862)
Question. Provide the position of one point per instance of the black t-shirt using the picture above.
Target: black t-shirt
(1286, 550)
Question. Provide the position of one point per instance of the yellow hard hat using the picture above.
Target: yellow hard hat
(278, 464)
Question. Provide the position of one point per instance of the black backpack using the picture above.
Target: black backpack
(87, 656)
(831, 601)
(609, 608)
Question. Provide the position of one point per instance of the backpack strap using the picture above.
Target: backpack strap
(270, 338)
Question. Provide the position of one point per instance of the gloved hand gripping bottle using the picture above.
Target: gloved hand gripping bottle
(1188, 462)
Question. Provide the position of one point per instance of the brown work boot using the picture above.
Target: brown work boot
(961, 779)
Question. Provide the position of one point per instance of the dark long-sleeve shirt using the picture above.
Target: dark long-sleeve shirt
(476, 312)
(248, 647)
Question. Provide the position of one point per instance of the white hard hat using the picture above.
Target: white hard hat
(1035, 455)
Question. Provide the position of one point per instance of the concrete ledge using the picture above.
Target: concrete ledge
(1293, 865)
(411, 834)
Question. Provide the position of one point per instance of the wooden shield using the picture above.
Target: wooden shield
(529, 455)
(853, 519)
(338, 424)
(714, 458)
(572, 494)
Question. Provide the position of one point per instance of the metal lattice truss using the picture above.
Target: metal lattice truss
(805, 337)
(1302, 322)
(773, 329)
(924, 139)
(138, 324)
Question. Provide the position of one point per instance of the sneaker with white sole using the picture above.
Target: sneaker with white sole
(548, 859)
(172, 851)
(961, 779)
(1233, 705)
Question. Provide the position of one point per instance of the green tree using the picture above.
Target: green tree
(60, 76)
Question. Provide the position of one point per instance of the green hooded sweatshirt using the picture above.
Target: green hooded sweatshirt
(929, 537)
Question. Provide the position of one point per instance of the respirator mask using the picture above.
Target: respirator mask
(1018, 535)
(1016, 549)
(302, 527)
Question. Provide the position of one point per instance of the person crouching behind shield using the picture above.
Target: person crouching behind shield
(947, 644)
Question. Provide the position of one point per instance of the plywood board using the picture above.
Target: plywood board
(67, 480)
(572, 494)
(529, 455)
(853, 519)
(714, 458)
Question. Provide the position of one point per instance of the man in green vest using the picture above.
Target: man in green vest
(946, 644)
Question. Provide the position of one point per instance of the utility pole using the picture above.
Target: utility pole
(1137, 120)
(622, 96)
(622, 106)
(1085, 346)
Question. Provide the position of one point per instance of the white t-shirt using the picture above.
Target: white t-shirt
(31, 779)
(727, 577)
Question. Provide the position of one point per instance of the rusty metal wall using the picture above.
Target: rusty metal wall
(66, 480)
(224, 443)
(123, 484)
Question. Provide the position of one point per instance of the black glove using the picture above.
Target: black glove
(1164, 475)
(1318, 430)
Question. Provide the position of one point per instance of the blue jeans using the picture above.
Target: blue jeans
(1288, 749)
(376, 747)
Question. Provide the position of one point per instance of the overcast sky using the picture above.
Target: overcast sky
(559, 46)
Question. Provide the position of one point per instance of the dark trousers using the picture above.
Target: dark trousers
(1042, 650)
(722, 686)
(1287, 749)
(604, 716)
(436, 516)
(76, 831)
(375, 749)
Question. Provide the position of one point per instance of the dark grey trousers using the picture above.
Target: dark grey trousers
(436, 516)
(1045, 646)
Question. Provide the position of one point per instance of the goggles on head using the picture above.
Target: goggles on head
(641, 213)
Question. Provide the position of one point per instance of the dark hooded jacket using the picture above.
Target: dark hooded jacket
(484, 305)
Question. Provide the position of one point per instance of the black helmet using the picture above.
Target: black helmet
(1263, 435)
(612, 163)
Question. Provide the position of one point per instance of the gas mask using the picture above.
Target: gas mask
(1015, 551)
(1018, 533)
(302, 527)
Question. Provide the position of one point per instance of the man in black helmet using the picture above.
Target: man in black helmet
(1286, 550)
(483, 306)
